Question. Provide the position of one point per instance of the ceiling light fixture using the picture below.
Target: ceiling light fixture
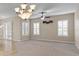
(25, 11)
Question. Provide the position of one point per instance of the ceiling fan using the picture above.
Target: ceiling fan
(43, 16)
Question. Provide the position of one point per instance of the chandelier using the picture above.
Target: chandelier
(25, 11)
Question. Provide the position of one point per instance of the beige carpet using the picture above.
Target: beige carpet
(41, 48)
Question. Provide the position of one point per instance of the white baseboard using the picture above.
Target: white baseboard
(54, 41)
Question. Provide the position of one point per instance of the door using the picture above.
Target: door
(7, 30)
(25, 30)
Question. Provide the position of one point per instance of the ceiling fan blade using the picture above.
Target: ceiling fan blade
(47, 17)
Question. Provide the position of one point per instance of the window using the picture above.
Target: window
(25, 28)
(63, 28)
(36, 28)
(7, 30)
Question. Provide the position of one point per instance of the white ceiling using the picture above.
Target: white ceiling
(7, 9)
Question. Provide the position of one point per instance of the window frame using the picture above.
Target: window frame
(36, 28)
(63, 28)
(25, 28)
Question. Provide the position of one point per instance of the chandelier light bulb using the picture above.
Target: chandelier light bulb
(30, 10)
(27, 15)
(21, 16)
(23, 6)
(21, 11)
(17, 9)
(32, 7)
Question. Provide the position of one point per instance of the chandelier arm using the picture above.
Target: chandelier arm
(23, 11)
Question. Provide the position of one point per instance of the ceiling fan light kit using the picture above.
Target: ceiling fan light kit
(42, 17)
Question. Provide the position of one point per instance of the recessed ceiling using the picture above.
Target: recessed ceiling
(7, 9)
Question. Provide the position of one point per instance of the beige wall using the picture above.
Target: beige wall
(48, 32)
(16, 25)
(76, 23)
